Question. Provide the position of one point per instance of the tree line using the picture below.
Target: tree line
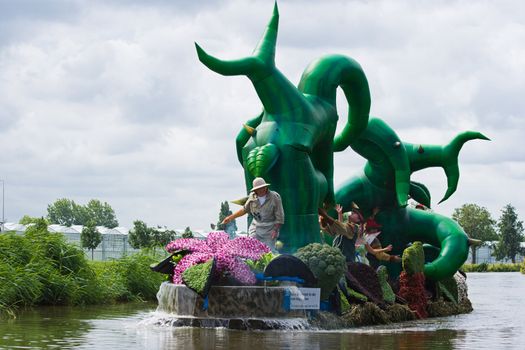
(479, 224)
(142, 236)
(67, 212)
(474, 219)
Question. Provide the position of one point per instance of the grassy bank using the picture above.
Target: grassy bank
(41, 268)
(498, 267)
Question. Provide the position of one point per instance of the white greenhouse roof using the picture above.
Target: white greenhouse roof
(120, 230)
(11, 226)
(62, 229)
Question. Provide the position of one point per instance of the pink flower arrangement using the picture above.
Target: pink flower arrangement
(228, 254)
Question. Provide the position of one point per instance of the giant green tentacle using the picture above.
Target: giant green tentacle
(420, 193)
(265, 49)
(451, 154)
(277, 94)
(405, 225)
(441, 232)
(250, 66)
(387, 158)
(425, 156)
(256, 67)
(322, 77)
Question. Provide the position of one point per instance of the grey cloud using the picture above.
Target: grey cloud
(39, 10)
(171, 5)
(115, 105)
(17, 18)
(8, 117)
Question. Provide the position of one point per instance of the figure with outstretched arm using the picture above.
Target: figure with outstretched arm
(344, 233)
(266, 208)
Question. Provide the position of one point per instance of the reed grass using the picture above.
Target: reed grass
(497, 267)
(41, 268)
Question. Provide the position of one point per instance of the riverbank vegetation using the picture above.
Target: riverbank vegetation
(506, 232)
(497, 267)
(41, 268)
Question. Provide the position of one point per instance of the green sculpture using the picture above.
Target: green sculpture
(292, 141)
(385, 184)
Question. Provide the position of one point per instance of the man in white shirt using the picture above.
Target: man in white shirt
(267, 210)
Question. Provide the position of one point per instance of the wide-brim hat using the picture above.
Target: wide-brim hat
(357, 210)
(259, 182)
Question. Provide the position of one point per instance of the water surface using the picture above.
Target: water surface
(497, 322)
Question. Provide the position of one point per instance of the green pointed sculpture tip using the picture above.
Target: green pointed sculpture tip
(444, 198)
(211, 62)
(265, 49)
(450, 190)
(244, 66)
(468, 136)
(274, 22)
(476, 135)
(201, 53)
(452, 187)
(483, 137)
(452, 153)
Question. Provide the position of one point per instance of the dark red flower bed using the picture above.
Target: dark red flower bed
(412, 289)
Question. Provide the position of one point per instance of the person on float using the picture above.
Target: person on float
(266, 208)
(356, 233)
(375, 252)
(344, 233)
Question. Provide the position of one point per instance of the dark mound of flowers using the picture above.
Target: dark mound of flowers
(229, 255)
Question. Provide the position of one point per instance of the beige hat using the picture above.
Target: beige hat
(259, 182)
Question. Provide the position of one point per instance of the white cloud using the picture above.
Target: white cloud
(108, 100)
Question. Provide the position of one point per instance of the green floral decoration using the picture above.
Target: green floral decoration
(327, 264)
(414, 259)
(259, 265)
(449, 288)
(388, 293)
(198, 277)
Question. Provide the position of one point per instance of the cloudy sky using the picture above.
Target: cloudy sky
(107, 100)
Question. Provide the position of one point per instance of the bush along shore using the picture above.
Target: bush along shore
(498, 267)
(41, 268)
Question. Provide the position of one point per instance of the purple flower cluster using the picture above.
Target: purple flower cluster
(227, 253)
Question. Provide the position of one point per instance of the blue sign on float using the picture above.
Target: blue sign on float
(303, 298)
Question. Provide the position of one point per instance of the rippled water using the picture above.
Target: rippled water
(497, 322)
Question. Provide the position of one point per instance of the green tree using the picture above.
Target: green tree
(63, 212)
(102, 213)
(26, 219)
(90, 238)
(140, 236)
(225, 211)
(187, 233)
(162, 236)
(477, 223)
(66, 212)
(230, 227)
(510, 235)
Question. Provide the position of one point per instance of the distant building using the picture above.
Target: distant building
(114, 245)
(484, 254)
(200, 234)
(115, 241)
